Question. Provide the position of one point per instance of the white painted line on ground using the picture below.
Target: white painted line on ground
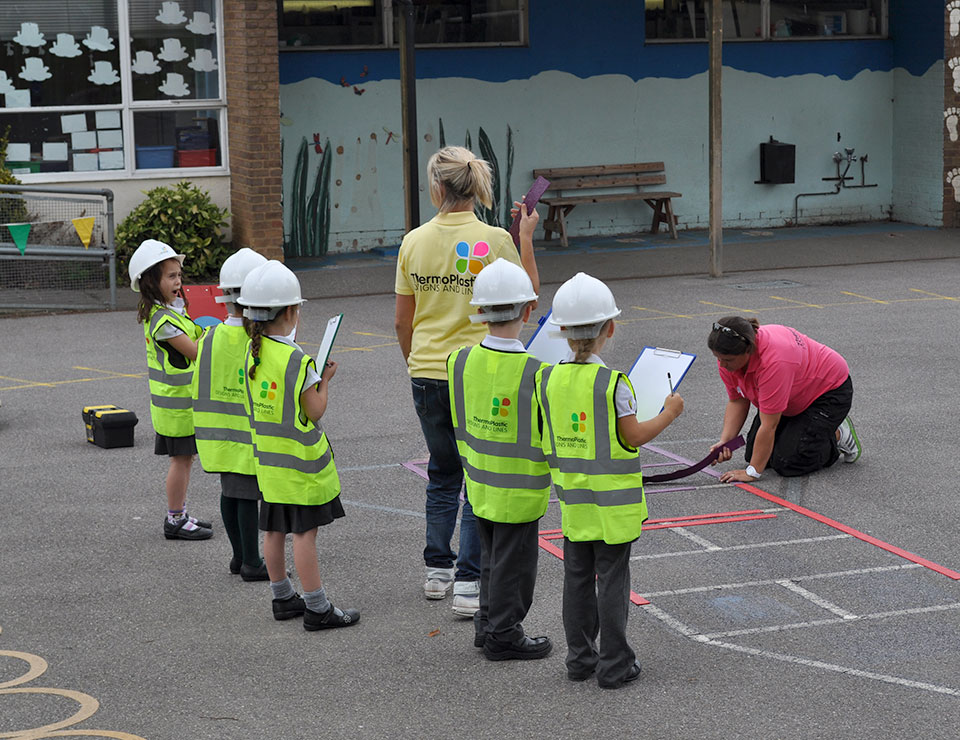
(816, 599)
(388, 509)
(772, 581)
(750, 546)
(685, 630)
(652, 487)
(369, 467)
(695, 538)
(838, 620)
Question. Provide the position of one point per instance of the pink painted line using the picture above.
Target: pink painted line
(893, 549)
(412, 465)
(557, 552)
(551, 531)
(658, 465)
(702, 516)
(697, 523)
(652, 491)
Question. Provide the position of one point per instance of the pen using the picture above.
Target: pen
(671, 383)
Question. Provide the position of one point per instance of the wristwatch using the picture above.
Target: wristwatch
(752, 472)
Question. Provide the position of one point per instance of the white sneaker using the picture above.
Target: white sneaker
(466, 598)
(438, 583)
(849, 443)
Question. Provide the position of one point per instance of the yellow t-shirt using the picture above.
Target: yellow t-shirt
(438, 263)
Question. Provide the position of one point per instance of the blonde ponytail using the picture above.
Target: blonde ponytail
(457, 176)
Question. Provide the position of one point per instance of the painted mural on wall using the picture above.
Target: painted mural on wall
(951, 113)
(309, 234)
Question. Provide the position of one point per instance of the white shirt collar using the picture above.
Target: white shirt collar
(502, 344)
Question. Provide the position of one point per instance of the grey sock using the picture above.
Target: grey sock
(282, 589)
(316, 601)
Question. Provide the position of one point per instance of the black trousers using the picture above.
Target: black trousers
(596, 601)
(508, 574)
(807, 442)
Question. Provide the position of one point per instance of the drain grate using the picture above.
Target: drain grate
(768, 285)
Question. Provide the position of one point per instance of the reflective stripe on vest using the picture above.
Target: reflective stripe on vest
(601, 493)
(170, 387)
(294, 461)
(222, 427)
(507, 480)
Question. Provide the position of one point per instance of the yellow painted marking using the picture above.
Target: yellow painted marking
(865, 297)
(732, 308)
(111, 373)
(790, 300)
(373, 334)
(337, 350)
(935, 295)
(665, 313)
(88, 707)
(21, 380)
(37, 667)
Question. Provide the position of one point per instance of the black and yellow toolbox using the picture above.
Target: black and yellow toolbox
(109, 426)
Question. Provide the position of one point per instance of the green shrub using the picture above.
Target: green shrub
(12, 210)
(182, 216)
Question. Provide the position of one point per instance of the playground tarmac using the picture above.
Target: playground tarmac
(823, 606)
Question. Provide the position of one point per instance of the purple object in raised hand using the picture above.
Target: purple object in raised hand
(530, 200)
(734, 444)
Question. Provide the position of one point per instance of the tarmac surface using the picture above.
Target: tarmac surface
(824, 606)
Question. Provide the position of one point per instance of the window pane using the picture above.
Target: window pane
(181, 138)
(465, 22)
(173, 49)
(824, 18)
(59, 52)
(84, 141)
(330, 22)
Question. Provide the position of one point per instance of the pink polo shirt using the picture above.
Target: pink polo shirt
(787, 372)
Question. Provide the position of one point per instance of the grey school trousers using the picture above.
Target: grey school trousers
(508, 574)
(596, 600)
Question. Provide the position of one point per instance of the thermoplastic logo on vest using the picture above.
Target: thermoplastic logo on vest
(240, 378)
(500, 407)
(267, 391)
(579, 421)
(469, 260)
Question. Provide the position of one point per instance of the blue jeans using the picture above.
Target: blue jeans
(445, 481)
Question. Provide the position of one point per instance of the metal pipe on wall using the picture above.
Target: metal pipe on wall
(408, 104)
(716, 139)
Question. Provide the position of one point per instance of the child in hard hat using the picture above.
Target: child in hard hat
(496, 421)
(590, 438)
(222, 428)
(286, 397)
(171, 337)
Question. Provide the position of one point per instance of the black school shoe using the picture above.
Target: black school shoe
(288, 608)
(632, 675)
(330, 619)
(527, 648)
(249, 573)
(235, 564)
(177, 532)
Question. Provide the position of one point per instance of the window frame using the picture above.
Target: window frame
(128, 106)
(387, 19)
(883, 31)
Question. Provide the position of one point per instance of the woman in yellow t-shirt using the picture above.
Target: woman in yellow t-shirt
(437, 265)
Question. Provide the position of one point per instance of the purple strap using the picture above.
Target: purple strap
(733, 444)
(540, 186)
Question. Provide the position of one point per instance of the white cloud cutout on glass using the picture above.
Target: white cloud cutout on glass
(99, 39)
(65, 46)
(34, 70)
(171, 14)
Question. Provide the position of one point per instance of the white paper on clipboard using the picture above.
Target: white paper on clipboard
(326, 344)
(546, 348)
(649, 377)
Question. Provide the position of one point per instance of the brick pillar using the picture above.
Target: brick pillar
(951, 119)
(253, 112)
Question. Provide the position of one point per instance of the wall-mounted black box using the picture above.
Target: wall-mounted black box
(777, 162)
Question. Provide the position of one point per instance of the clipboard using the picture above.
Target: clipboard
(326, 344)
(547, 348)
(649, 377)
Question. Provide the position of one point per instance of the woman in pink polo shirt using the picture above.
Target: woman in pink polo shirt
(802, 390)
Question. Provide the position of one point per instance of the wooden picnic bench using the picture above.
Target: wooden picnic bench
(573, 186)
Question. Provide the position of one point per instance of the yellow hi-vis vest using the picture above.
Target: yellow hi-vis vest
(221, 423)
(170, 402)
(496, 421)
(294, 461)
(597, 477)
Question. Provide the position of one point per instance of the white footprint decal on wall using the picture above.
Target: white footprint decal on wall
(951, 117)
(954, 65)
(953, 179)
(954, 8)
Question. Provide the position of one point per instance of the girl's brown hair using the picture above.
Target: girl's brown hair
(733, 335)
(255, 332)
(583, 348)
(456, 176)
(150, 291)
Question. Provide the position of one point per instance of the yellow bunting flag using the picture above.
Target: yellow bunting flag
(84, 227)
(19, 232)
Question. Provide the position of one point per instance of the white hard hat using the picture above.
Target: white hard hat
(149, 253)
(581, 306)
(234, 269)
(267, 288)
(502, 283)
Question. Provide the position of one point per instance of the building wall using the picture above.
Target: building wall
(618, 101)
